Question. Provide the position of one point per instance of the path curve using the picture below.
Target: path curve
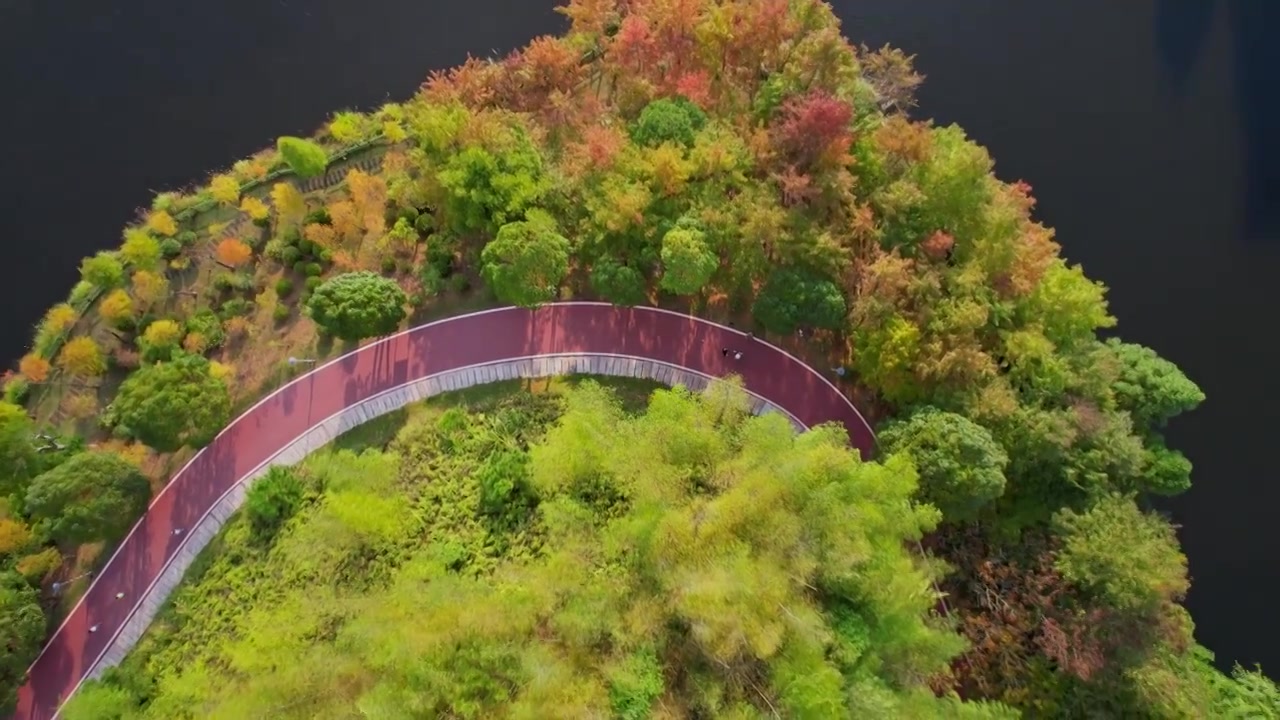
(280, 418)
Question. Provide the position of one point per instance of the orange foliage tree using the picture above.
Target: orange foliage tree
(34, 368)
(149, 288)
(369, 194)
(345, 220)
(233, 253)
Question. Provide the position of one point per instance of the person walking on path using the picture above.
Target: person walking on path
(737, 355)
(724, 352)
(839, 371)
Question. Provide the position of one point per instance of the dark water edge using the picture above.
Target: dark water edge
(1147, 129)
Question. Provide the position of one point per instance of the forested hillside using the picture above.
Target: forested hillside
(738, 160)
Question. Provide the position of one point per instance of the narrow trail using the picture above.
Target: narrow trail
(279, 419)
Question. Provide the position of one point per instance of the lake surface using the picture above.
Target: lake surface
(1148, 129)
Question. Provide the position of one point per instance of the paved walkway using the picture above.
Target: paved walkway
(313, 408)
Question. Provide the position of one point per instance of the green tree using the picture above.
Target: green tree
(1127, 557)
(357, 305)
(140, 250)
(619, 284)
(490, 188)
(272, 500)
(527, 261)
(304, 158)
(961, 466)
(21, 634)
(92, 497)
(1150, 388)
(173, 404)
(17, 453)
(668, 120)
(793, 298)
(104, 271)
(687, 262)
(98, 700)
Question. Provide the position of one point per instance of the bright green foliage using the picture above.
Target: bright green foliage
(171, 404)
(92, 497)
(488, 188)
(351, 127)
(103, 271)
(668, 120)
(794, 298)
(140, 249)
(96, 700)
(21, 635)
(617, 283)
(1129, 557)
(357, 305)
(527, 261)
(304, 157)
(622, 561)
(1150, 388)
(961, 466)
(17, 453)
(687, 261)
(1069, 306)
(272, 500)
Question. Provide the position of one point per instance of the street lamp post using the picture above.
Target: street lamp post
(58, 586)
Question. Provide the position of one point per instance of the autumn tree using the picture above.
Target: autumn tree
(59, 319)
(233, 252)
(369, 193)
(687, 261)
(225, 189)
(117, 307)
(149, 288)
(103, 271)
(527, 261)
(173, 404)
(305, 158)
(22, 629)
(255, 208)
(162, 223)
(813, 128)
(793, 298)
(961, 466)
(160, 340)
(34, 368)
(82, 358)
(357, 305)
(17, 453)
(140, 250)
(290, 205)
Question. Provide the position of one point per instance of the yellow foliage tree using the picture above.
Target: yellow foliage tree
(225, 189)
(236, 327)
(140, 249)
(345, 220)
(60, 318)
(82, 358)
(14, 536)
(369, 193)
(149, 288)
(255, 208)
(162, 333)
(37, 566)
(80, 405)
(291, 206)
(233, 253)
(321, 235)
(162, 223)
(116, 307)
(222, 371)
(34, 368)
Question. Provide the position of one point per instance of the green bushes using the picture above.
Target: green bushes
(304, 157)
(271, 501)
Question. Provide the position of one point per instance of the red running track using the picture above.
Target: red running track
(283, 416)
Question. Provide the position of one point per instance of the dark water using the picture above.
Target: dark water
(1146, 128)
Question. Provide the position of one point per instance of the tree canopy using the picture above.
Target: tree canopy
(527, 260)
(92, 497)
(357, 305)
(173, 404)
(304, 157)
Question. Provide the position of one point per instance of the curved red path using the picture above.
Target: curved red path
(438, 347)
